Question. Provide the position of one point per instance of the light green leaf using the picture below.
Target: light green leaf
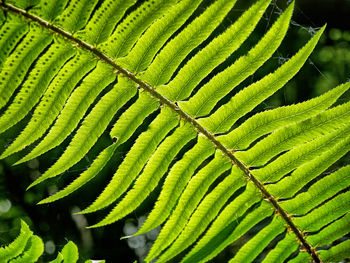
(10, 33)
(129, 30)
(102, 23)
(213, 54)
(301, 154)
(251, 96)
(259, 241)
(229, 226)
(188, 201)
(331, 233)
(76, 15)
(92, 127)
(295, 134)
(267, 121)
(143, 148)
(52, 102)
(86, 176)
(205, 213)
(36, 84)
(70, 253)
(19, 61)
(176, 181)
(74, 109)
(205, 99)
(155, 168)
(166, 62)
(319, 192)
(337, 252)
(17, 246)
(283, 249)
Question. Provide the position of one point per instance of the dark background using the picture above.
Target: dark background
(328, 66)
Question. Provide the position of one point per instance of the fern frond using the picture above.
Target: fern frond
(299, 155)
(205, 213)
(283, 249)
(35, 85)
(76, 66)
(92, 127)
(156, 35)
(74, 109)
(301, 257)
(268, 121)
(325, 214)
(98, 164)
(187, 203)
(129, 30)
(155, 168)
(10, 33)
(24, 3)
(229, 225)
(76, 15)
(102, 24)
(289, 185)
(135, 159)
(52, 102)
(213, 54)
(295, 134)
(17, 64)
(336, 253)
(170, 57)
(133, 117)
(176, 181)
(318, 192)
(205, 99)
(251, 96)
(49, 10)
(256, 244)
(332, 232)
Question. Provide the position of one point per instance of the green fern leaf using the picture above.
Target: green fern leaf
(92, 127)
(255, 245)
(176, 181)
(229, 226)
(52, 102)
(253, 95)
(206, 98)
(11, 33)
(337, 252)
(161, 71)
(283, 249)
(134, 161)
